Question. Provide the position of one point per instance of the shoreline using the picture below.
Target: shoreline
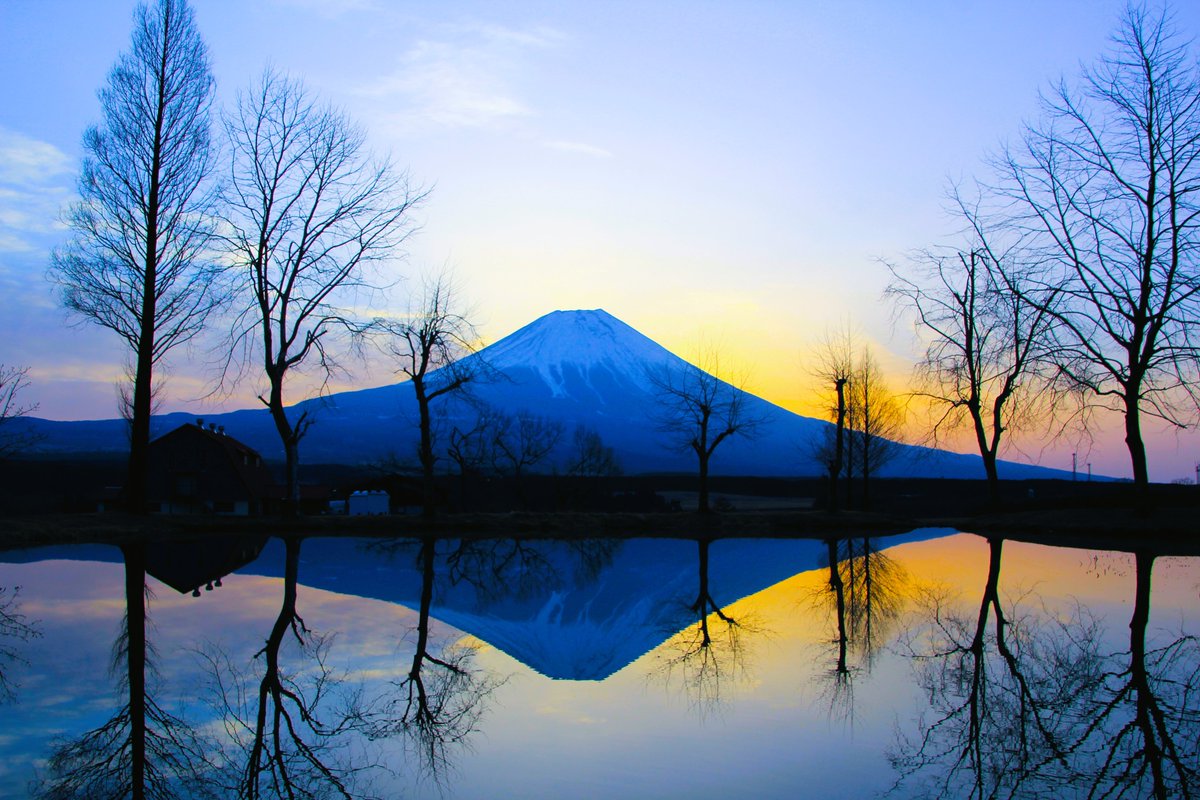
(1171, 530)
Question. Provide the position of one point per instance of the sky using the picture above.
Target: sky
(731, 173)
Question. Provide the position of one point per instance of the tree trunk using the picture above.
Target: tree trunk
(839, 450)
(1147, 715)
(425, 451)
(702, 503)
(139, 431)
(703, 598)
(839, 593)
(143, 394)
(866, 474)
(135, 620)
(428, 544)
(1137, 450)
(289, 435)
(993, 479)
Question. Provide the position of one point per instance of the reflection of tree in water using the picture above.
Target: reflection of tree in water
(294, 734)
(143, 751)
(519, 568)
(865, 595)
(1033, 707)
(706, 657)
(1143, 737)
(15, 628)
(437, 705)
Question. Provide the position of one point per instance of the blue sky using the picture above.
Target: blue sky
(727, 171)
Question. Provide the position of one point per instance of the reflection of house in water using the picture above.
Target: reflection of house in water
(196, 470)
(186, 566)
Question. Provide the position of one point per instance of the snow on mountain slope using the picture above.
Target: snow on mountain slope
(593, 346)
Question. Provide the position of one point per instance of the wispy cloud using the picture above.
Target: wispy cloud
(580, 148)
(467, 78)
(35, 181)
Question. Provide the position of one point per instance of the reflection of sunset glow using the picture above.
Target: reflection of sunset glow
(786, 716)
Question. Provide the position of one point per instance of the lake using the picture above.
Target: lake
(933, 664)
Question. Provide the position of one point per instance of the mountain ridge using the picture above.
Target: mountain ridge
(579, 368)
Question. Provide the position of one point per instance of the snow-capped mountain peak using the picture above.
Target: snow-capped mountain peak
(585, 346)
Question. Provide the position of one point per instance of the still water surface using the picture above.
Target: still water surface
(932, 664)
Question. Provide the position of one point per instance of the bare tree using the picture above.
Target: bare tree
(429, 345)
(137, 262)
(523, 441)
(309, 212)
(985, 344)
(470, 448)
(868, 417)
(877, 420)
(592, 457)
(698, 411)
(833, 365)
(1109, 182)
(13, 382)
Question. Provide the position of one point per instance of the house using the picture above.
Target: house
(199, 470)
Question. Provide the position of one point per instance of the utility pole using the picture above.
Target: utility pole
(1074, 465)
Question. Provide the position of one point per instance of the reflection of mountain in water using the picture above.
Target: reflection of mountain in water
(545, 605)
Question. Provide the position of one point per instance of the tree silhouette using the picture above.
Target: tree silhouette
(834, 365)
(143, 751)
(137, 259)
(309, 211)
(1107, 181)
(13, 382)
(521, 442)
(1037, 708)
(866, 593)
(698, 411)
(296, 733)
(705, 662)
(429, 346)
(986, 346)
(437, 706)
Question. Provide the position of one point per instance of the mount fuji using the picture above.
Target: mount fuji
(574, 367)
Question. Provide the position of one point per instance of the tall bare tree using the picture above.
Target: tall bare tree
(429, 346)
(1109, 181)
(309, 212)
(985, 346)
(137, 262)
(698, 411)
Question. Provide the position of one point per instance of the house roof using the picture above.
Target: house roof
(245, 460)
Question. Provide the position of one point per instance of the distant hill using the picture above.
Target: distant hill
(576, 367)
